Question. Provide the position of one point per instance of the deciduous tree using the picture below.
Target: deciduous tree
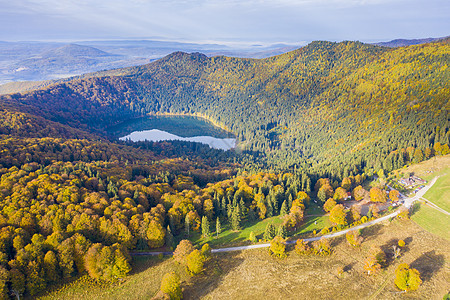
(377, 195)
(155, 234)
(375, 261)
(322, 247)
(252, 237)
(338, 215)
(194, 262)
(329, 205)
(183, 249)
(359, 193)
(340, 194)
(393, 195)
(301, 247)
(406, 278)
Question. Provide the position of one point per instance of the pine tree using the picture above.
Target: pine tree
(251, 215)
(284, 209)
(224, 206)
(235, 219)
(269, 208)
(229, 211)
(242, 209)
(171, 223)
(289, 202)
(218, 227)
(206, 231)
(269, 233)
(169, 237)
(282, 231)
(308, 185)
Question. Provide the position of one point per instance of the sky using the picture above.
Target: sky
(225, 21)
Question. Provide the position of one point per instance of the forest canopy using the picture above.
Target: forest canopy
(311, 124)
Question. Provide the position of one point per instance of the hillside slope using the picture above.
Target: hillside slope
(333, 106)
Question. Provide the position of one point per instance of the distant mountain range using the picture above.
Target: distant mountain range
(43, 61)
(37, 61)
(405, 42)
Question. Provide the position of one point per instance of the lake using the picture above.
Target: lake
(166, 128)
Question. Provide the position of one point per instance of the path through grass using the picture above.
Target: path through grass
(439, 194)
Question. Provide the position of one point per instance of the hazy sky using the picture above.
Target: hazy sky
(264, 21)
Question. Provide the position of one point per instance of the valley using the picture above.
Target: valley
(321, 132)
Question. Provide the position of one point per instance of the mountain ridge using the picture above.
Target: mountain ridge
(292, 109)
(409, 42)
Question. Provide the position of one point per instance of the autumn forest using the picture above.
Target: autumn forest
(312, 125)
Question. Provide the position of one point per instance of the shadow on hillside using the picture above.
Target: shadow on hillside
(142, 263)
(349, 267)
(428, 264)
(388, 248)
(216, 270)
(371, 232)
(334, 242)
(415, 208)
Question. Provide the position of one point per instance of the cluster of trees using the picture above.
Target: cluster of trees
(194, 261)
(65, 211)
(319, 247)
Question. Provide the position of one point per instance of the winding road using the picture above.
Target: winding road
(407, 203)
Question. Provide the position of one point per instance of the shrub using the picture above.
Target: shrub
(171, 285)
(301, 247)
(354, 238)
(322, 247)
(278, 247)
(194, 262)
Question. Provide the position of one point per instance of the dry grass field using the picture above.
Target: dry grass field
(428, 169)
(254, 274)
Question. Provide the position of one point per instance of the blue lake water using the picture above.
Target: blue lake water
(182, 128)
(157, 135)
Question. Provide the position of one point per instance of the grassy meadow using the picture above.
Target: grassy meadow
(432, 220)
(315, 219)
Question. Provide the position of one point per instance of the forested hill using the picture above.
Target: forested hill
(333, 106)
